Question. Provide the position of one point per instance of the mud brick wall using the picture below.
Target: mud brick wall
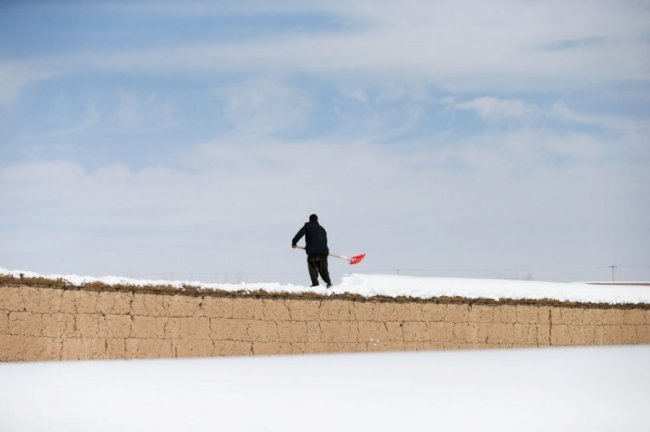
(53, 322)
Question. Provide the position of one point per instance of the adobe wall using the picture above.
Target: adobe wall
(49, 321)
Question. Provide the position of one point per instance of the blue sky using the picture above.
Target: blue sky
(442, 138)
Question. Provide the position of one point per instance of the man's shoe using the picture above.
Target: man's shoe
(315, 285)
(329, 285)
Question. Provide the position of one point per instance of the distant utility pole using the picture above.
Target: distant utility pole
(613, 267)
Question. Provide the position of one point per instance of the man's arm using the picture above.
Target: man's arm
(297, 237)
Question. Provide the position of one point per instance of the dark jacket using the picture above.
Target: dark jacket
(315, 237)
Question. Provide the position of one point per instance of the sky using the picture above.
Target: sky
(191, 140)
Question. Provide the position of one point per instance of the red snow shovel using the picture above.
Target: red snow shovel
(352, 260)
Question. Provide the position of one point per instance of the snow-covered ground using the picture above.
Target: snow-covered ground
(558, 389)
(407, 286)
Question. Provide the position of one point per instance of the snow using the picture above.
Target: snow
(369, 285)
(594, 389)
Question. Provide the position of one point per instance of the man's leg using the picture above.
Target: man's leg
(313, 270)
(324, 270)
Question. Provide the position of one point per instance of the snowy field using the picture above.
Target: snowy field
(559, 389)
(408, 286)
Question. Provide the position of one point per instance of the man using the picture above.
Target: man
(316, 248)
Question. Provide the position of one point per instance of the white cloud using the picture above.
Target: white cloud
(493, 108)
(234, 206)
(458, 45)
(263, 106)
(15, 76)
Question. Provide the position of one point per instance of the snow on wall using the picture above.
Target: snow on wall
(369, 285)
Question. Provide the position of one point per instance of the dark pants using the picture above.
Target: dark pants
(317, 264)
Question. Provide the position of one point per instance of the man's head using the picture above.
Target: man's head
(313, 218)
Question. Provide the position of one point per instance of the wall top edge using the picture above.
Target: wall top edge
(191, 291)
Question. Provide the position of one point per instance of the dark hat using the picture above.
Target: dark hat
(313, 218)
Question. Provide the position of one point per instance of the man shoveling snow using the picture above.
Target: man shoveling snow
(316, 248)
(317, 251)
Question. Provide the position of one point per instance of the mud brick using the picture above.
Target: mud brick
(232, 348)
(390, 346)
(525, 334)
(560, 335)
(629, 335)
(182, 305)
(4, 322)
(501, 333)
(643, 332)
(148, 327)
(338, 331)
(634, 317)
(228, 329)
(481, 314)
(148, 348)
(394, 331)
(148, 305)
(458, 313)
(292, 331)
(334, 310)
(317, 347)
(31, 299)
(262, 331)
(416, 346)
(275, 310)
(25, 324)
(313, 332)
(298, 347)
(441, 331)
(527, 314)
(389, 311)
(83, 349)
(68, 302)
(192, 348)
(556, 316)
(247, 309)
(41, 349)
(306, 310)
(477, 332)
(114, 303)
(12, 347)
(340, 347)
(593, 317)
(544, 315)
(433, 312)
(409, 311)
(116, 326)
(49, 301)
(372, 330)
(543, 335)
(582, 334)
(88, 326)
(614, 317)
(461, 332)
(573, 316)
(11, 299)
(365, 311)
(217, 307)
(188, 328)
(115, 349)
(272, 348)
(415, 331)
(86, 301)
(505, 314)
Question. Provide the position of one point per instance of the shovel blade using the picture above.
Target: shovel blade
(357, 259)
